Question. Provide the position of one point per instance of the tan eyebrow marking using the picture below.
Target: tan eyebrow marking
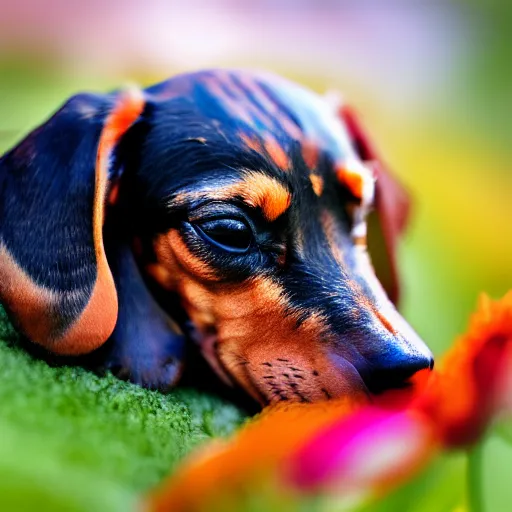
(260, 190)
(255, 189)
(359, 179)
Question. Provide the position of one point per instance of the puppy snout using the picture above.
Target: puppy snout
(393, 351)
(395, 371)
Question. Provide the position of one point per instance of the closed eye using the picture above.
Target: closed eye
(232, 235)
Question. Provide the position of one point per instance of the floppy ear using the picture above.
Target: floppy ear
(392, 207)
(55, 281)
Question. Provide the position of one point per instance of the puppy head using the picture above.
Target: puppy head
(246, 196)
(261, 190)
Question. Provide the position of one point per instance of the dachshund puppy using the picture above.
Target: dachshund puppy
(223, 208)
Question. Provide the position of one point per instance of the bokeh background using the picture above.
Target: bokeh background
(432, 81)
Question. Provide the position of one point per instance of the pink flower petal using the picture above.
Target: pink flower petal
(363, 453)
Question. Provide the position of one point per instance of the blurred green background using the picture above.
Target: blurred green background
(432, 81)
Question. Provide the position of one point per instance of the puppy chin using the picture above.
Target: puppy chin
(294, 379)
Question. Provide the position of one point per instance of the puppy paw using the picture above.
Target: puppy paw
(161, 375)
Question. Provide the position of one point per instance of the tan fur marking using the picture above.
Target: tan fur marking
(97, 320)
(127, 110)
(255, 189)
(359, 240)
(276, 153)
(310, 153)
(27, 301)
(172, 251)
(317, 182)
(260, 190)
(32, 306)
(385, 322)
(329, 224)
(351, 179)
(113, 194)
(251, 142)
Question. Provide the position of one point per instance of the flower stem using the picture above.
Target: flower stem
(475, 478)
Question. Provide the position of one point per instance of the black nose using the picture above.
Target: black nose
(394, 372)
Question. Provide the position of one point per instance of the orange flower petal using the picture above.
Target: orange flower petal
(258, 447)
(469, 388)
